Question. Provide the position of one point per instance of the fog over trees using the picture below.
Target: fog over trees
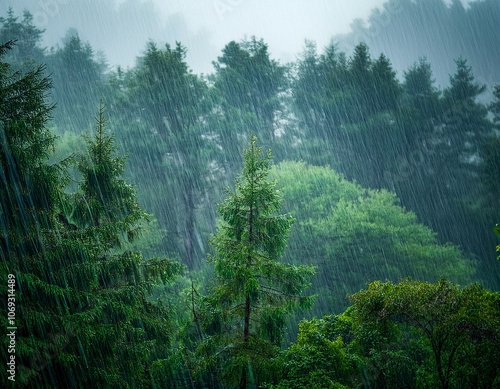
(220, 210)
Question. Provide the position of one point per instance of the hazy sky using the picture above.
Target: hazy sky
(121, 28)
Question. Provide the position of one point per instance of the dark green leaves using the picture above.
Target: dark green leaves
(253, 289)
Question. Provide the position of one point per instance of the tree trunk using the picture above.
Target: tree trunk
(195, 316)
(439, 368)
(189, 238)
(246, 328)
(246, 337)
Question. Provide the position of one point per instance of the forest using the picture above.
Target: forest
(324, 223)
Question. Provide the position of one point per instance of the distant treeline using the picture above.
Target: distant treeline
(437, 30)
(383, 183)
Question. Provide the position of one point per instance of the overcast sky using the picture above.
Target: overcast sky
(121, 28)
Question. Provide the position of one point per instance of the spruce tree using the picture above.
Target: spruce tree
(82, 318)
(78, 73)
(33, 246)
(253, 291)
(129, 331)
(105, 196)
(27, 36)
(495, 105)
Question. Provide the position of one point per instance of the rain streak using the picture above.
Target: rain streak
(248, 194)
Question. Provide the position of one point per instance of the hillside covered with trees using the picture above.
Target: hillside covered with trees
(326, 223)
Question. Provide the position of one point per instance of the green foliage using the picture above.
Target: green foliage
(353, 105)
(410, 138)
(27, 37)
(441, 29)
(355, 235)
(250, 81)
(331, 92)
(407, 335)
(315, 360)
(88, 314)
(107, 207)
(253, 290)
(83, 317)
(490, 171)
(164, 107)
(465, 121)
(490, 167)
(29, 196)
(495, 105)
(106, 196)
(171, 89)
(78, 75)
(462, 86)
(421, 101)
(26, 145)
(460, 326)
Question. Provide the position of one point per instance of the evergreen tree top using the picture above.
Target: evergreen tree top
(462, 85)
(253, 204)
(252, 285)
(102, 147)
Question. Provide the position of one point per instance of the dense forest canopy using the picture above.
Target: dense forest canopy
(455, 22)
(324, 223)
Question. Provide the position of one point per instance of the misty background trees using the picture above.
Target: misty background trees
(388, 174)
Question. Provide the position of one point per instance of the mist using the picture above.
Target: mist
(121, 28)
(250, 194)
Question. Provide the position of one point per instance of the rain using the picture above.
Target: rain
(250, 194)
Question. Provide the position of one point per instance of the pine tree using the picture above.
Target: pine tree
(466, 125)
(254, 291)
(78, 73)
(421, 102)
(135, 331)
(495, 105)
(27, 36)
(385, 84)
(33, 247)
(361, 82)
(107, 197)
(82, 316)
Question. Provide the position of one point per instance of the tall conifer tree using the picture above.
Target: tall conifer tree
(82, 318)
(253, 289)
